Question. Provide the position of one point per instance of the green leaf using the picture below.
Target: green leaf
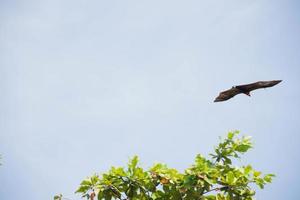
(247, 169)
(83, 189)
(58, 197)
(230, 179)
(268, 178)
(210, 197)
(256, 173)
(230, 135)
(86, 182)
(243, 148)
(132, 164)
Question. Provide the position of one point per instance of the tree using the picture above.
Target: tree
(207, 179)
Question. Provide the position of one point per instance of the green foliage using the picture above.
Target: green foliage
(58, 197)
(207, 179)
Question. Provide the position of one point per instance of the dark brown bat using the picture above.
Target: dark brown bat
(245, 89)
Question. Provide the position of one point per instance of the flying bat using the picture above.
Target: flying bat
(245, 89)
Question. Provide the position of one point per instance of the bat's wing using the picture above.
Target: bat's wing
(257, 85)
(227, 94)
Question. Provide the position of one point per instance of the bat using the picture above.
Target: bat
(245, 89)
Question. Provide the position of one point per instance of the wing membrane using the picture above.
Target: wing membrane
(257, 85)
(227, 94)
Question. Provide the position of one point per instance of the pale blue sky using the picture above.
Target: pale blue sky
(88, 84)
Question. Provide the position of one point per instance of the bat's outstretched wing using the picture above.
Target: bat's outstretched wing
(257, 85)
(227, 94)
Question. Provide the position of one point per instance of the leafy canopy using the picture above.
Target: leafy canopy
(207, 179)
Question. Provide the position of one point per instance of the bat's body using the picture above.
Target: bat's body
(245, 89)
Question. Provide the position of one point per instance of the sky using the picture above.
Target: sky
(88, 84)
